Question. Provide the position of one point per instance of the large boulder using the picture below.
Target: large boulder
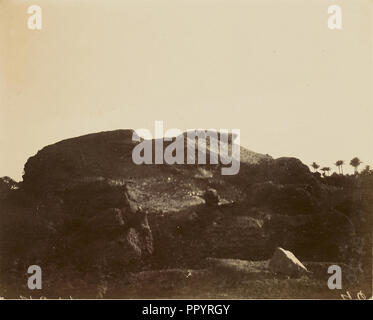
(286, 263)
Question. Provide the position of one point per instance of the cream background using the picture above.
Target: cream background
(271, 68)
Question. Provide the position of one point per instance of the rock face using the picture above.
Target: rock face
(286, 263)
(103, 226)
(99, 207)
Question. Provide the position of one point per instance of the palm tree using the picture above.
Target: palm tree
(315, 166)
(355, 162)
(325, 170)
(339, 164)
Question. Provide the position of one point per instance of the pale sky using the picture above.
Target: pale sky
(270, 68)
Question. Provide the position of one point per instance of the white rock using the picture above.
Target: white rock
(285, 262)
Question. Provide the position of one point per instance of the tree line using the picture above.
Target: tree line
(355, 163)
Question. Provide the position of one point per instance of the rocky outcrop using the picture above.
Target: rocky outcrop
(84, 182)
(107, 155)
(87, 182)
(102, 214)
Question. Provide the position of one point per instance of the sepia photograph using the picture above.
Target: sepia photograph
(191, 150)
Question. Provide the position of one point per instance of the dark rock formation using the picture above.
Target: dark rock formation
(84, 205)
